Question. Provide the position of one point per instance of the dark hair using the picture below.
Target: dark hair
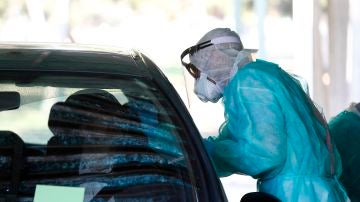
(357, 106)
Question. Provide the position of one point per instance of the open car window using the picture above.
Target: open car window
(119, 138)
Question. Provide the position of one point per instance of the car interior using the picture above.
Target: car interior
(110, 149)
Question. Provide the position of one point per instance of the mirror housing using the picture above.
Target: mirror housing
(9, 100)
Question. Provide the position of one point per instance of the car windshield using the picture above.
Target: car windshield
(118, 137)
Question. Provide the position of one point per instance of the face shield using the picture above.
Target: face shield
(191, 68)
(209, 81)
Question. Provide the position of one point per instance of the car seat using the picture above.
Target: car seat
(11, 164)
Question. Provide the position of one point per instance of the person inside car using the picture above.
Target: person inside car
(345, 129)
(273, 131)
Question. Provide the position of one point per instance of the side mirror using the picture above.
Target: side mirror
(9, 100)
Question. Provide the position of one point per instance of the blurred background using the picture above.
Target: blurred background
(318, 40)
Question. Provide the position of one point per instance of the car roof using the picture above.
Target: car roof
(72, 58)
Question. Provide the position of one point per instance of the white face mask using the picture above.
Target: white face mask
(207, 90)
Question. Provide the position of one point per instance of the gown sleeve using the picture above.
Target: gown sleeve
(252, 140)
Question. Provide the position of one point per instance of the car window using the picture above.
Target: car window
(119, 138)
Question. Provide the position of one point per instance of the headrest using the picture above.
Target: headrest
(9, 138)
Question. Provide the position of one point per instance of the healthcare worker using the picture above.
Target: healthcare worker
(272, 132)
(345, 130)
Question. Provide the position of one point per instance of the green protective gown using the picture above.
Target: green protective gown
(345, 130)
(274, 133)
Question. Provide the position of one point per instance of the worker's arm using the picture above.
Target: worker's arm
(252, 141)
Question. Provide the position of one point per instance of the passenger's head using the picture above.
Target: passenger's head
(85, 110)
(212, 62)
(94, 99)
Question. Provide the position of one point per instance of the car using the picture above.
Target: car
(106, 120)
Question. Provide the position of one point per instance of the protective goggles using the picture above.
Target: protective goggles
(192, 69)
